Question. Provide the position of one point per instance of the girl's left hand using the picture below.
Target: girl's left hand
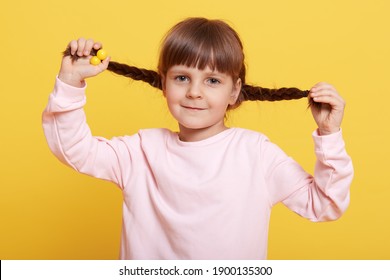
(330, 114)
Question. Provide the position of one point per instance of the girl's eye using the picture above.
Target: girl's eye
(213, 81)
(181, 78)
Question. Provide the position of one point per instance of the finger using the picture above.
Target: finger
(97, 45)
(331, 100)
(80, 46)
(323, 85)
(88, 47)
(321, 88)
(104, 65)
(327, 95)
(322, 92)
(73, 47)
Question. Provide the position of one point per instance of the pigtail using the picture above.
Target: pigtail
(139, 74)
(265, 94)
(255, 93)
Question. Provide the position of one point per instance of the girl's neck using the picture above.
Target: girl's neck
(194, 135)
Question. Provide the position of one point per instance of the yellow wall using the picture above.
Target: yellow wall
(48, 211)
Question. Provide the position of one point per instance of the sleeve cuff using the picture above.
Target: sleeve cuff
(331, 143)
(66, 97)
(67, 92)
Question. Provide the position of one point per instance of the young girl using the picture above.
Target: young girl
(206, 191)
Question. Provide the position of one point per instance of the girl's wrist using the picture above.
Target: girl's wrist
(323, 132)
(71, 80)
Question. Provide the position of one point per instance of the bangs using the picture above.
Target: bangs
(202, 43)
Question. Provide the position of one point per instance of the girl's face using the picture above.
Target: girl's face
(198, 100)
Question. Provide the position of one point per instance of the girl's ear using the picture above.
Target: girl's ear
(235, 92)
(163, 84)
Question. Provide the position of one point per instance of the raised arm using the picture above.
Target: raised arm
(325, 195)
(64, 121)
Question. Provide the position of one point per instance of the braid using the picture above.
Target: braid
(139, 74)
(254, 93)
(265, 94)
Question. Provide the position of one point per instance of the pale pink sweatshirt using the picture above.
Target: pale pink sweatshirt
(210, 199)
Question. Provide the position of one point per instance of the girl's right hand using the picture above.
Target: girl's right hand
(75, 71)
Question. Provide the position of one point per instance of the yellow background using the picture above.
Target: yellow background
(48, 211)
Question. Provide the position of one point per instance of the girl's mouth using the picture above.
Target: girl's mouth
(193, 108)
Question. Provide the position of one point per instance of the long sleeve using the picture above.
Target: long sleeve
(323, 197)
(71, 141)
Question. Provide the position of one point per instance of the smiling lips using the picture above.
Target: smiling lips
(193, 108)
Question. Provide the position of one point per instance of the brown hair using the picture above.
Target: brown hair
(201, 43)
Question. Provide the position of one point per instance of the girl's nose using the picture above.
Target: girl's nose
(194, 91)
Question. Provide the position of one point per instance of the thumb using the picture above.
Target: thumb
(104, 65)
